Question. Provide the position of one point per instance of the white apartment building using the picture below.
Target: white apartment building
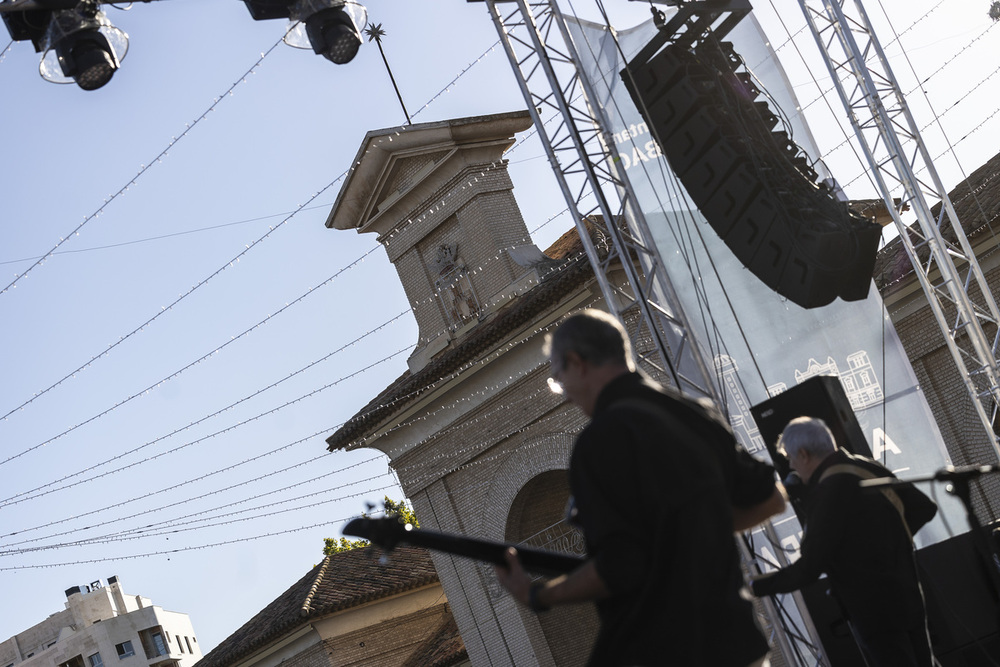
(103, 627)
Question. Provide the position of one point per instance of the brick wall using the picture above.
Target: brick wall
(950, 402)
(388, 644)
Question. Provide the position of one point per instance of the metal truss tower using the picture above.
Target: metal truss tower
(546, 65)
(535, 38)
(937, 246)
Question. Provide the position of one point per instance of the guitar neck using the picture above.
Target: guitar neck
(538, 561)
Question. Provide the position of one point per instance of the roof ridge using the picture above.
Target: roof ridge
(306, 608)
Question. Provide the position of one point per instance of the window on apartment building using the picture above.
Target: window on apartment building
(124, 650)
(188, 642)
(95, 660)
(180, 646)
(75, 661)
(153, 643)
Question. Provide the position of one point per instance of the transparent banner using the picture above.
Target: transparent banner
(761, 343)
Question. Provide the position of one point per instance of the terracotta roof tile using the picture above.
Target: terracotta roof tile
(977, 204)
(340, 582)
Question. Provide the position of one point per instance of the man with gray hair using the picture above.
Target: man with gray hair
(659, 485)
(862, 541)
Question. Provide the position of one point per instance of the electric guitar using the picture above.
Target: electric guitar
(387, 532)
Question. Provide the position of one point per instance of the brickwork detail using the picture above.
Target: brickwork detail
(476, 217)
(388, 644)
(949, 400)
(404, 171)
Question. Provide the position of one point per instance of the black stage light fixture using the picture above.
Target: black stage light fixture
(77, 41)
(331, 28)
(753, 184)
(333, 35)
(87, 58)
(81, 45)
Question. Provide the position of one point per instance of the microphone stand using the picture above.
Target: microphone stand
(958, 480)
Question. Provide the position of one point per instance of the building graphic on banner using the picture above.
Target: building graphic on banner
(859, 380)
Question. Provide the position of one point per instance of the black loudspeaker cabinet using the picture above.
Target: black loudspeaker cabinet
(962, 613)
(962, 610)
(753, 184)
(822, 397)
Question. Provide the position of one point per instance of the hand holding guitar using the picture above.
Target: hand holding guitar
(512, 576)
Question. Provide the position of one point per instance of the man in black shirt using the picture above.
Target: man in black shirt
(659, 486)
(861, 540)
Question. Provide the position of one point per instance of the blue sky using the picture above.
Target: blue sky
(195, 338)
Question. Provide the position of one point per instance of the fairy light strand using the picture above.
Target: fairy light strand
(160, 237)
(231, 427)
(240, 540)
(526, 399)
(228, 264)
(178, 525)
(180, 485)
(142, 169)
(254, 394)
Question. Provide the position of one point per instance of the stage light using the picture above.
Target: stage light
(81, 45)
(330, 28)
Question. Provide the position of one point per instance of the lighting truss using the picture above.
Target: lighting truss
(937, 245)
(546, 66)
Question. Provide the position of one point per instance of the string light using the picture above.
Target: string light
(142, 170)
(161, 237)
(431, 211)
(11, 568)
(227, 429)
(198, 421)
(152, 319)
(470, 396)
(459, 76)
(164, 309)
(175, 525)
(526, 399)
(188, 499)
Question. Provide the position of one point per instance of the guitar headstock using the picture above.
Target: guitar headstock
(385, 532)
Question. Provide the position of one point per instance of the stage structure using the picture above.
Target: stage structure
(961, 301)
(540, 48)
(546, 61)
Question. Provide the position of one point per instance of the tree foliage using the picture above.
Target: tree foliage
(399, 508)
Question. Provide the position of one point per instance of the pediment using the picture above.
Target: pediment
(392, 164)
(402, 173)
